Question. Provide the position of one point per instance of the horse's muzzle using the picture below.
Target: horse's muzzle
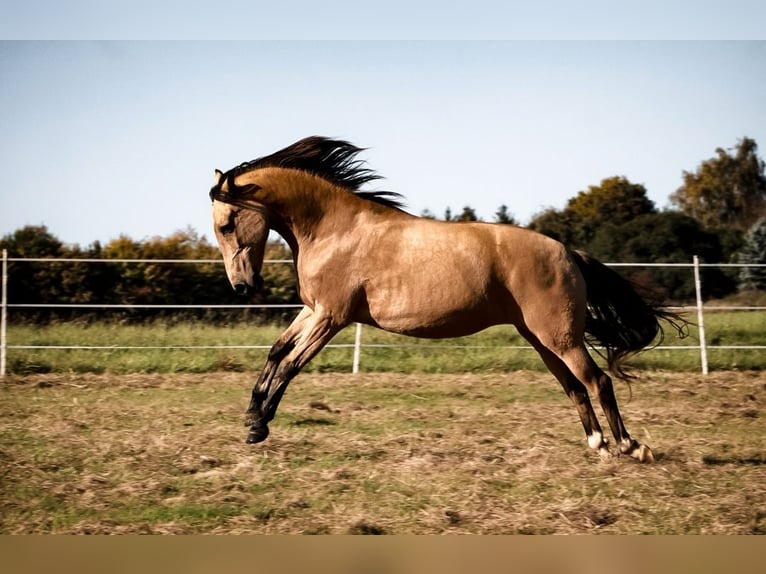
(243, 288)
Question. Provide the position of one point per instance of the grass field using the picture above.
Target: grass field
(376, 453)
(486, 352)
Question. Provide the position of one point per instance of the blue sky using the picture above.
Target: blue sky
(102, 138)
(383, 20)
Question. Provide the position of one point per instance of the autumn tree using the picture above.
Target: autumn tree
(728, 190)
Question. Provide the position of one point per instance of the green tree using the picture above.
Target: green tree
(615, 200)
(666, 237)
(178, 284)
(154, 283)
(126, 279)
(753, 252)
(82, 282)
(728, 190)
(468, 214)
(32, 282)
(557, 224)
(502, 215)
(32, 241)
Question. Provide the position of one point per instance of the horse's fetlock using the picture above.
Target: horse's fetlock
(597, 440)
(628, 445)
(251, 417)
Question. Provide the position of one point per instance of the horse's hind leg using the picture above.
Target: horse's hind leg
(576, 391)
(608, 402)
(580, 375)
(582, 366)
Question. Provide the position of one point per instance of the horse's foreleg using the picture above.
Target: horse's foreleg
(281, 347)
(313, 332)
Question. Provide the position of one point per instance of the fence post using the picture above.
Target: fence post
(700, 315)
(4, 316)
(357, 348)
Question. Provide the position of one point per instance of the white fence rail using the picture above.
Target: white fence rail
(357, 346)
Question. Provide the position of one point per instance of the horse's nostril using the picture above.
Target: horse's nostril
(240, 288)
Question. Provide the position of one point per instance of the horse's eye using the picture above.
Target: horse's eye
(226, 229)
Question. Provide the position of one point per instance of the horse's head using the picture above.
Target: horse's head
(241, 234)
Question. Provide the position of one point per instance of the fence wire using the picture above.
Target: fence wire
(358, 344)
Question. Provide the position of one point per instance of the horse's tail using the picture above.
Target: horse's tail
(617, 317)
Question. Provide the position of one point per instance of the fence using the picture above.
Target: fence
(357, 346)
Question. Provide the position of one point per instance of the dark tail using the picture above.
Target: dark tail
(618, 318)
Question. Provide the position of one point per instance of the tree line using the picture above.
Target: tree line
(719, 214)
(137, 284)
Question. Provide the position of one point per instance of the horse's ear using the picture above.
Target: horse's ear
(216, 191)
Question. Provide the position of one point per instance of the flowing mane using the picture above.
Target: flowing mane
(333, 160)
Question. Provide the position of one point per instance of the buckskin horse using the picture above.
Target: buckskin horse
(360, 258)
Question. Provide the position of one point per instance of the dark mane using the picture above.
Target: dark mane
(333, 160)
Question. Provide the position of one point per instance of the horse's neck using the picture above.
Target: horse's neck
(300, 213)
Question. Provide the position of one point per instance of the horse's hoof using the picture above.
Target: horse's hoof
(257, 434)
(643, 454)
(640, 452)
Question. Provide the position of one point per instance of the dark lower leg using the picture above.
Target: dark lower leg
(625, 443)
(289, 355)
(254, 416)
(609, 404)
(575, 390)
(264, 403)
(593, 433)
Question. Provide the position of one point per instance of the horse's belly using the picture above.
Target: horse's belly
(438, 330)
(436, 317)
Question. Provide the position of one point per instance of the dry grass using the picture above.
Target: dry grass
(376, 454)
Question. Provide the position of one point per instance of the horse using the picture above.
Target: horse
(359, 257)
